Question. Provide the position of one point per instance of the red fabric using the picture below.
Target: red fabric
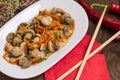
(95, 68)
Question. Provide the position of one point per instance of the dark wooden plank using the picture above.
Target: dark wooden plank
(111, 52)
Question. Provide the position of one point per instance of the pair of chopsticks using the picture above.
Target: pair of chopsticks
(88, 55)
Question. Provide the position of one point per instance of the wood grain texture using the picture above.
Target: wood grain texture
(111, 52)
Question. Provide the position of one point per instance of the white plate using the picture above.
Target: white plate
(81, 26)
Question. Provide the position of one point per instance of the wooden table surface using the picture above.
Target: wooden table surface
(111, 51)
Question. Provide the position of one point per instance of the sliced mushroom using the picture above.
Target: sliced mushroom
(66, 19)
(51, 46)
(30, 31)
(34, 46)
(37, 54)
(17, 41)
(8, 47)
(27, 37)
(66, 15)
(57, 10)
(29, 34)
(46, 20)
(24, 62)
(22, 29)
(23, 48)
(16, 51)
(10, 37)
(60, 44)
(67, 31)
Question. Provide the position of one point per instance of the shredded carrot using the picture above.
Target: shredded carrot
(35, 59)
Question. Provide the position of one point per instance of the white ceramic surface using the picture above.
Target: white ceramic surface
(81, 26)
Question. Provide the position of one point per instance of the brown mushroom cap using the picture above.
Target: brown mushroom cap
(37, 54)
(28, 34)
(27, 37)
(67, 30)
(22, 29)
(66, 19)
(10, 37)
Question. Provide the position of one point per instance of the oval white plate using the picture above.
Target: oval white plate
(81, 26)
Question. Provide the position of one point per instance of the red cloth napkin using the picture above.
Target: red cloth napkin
(95, 68)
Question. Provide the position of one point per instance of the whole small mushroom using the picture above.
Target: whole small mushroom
(66, 15)
(37, 53)
(29, 34)
(60, 44)
(22, 29)
(10, 37)
(24, 62)
(67, 30)
(51, 46)
(16, 51)
(46, 20)
(17, 41)
(66, 18)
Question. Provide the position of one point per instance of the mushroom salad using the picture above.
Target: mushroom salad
(34, 42)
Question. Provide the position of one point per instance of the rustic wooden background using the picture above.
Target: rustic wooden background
(111, 52)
